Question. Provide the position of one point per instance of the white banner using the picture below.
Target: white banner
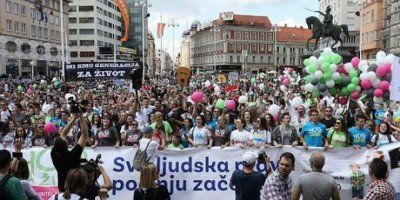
(395, 83)
(205, 173)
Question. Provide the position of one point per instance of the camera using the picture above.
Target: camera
(76, 107)
(92, 166)
(261, 156)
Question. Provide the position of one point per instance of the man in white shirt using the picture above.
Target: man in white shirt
(142, 115)
(5, 113)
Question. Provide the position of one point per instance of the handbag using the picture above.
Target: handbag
(140, 158)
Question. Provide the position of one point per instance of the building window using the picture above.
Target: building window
(86, 20)
(73, 31)
(85, 54)
(270, 36)
(8, 6)
(86, 8)
(261, 59)
(246, 35)
(99, 32)
(16, 27)
(33, 30)
(39, 32)
(33, 13)
(86, 31)
(9, 25)
(72, 9)
(45, 34)
(52, 34)
(16, 8)
(86, 43)
(11, 46)
(72, 20)
(73, 54)
(231, 59)
(239, 35)
(41, 50)
(231, 47)
(261, 36)
(73, 43)
(100, 43)
(238, 59)
(254, 59)
(23, 28)
(23, 10)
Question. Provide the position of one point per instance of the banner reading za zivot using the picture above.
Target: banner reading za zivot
(205, 173)
(85, 71)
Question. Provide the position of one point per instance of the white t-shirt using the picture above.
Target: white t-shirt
(200, 135)
(60, 197)
(261, 137)
(5, 115)
(241, 138)
(383, 139)
(151, 149)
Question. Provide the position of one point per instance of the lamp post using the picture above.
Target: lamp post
(359, 14)
(32, 69)
(173, 25)
(62, 39)
(215, 31)
(275, 29)
(144, 5)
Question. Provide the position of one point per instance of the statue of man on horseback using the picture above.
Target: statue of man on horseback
(326, 29)
(328, 20)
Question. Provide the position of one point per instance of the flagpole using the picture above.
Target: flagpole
(62, 38)
(162, 51)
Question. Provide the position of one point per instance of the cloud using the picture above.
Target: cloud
(291, 22)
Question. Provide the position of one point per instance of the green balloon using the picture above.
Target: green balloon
(253, 80)
(313, 69)
(220, 104)
(34, 86)
(20, 88)
(326, 67)
(327, 76)
(353, 73)
(326, 59)
(336, 58)
(351, 87)
(306, 62)
(355, 81)
(308, 79)
(332, 91)
(345, 92)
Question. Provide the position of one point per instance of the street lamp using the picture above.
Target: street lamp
(173, 25)
(33, 69)
(215, 31)
(144, 4)
(359, 14)
(275, 29)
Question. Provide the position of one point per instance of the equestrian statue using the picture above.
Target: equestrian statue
(326, 29)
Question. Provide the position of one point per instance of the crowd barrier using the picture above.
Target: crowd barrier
(202, 173)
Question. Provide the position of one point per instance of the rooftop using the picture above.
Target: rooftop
(294, 34)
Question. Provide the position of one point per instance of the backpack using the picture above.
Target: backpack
(377, 138)
(140, 158)
(3, 182)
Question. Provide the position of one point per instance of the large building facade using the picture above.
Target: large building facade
(30, 37)
(391, 29)
(233, 43)
(372, 21)
(94, 29)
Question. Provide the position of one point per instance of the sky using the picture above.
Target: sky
(184, 12)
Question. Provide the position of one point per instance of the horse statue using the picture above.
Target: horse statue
(317, 28)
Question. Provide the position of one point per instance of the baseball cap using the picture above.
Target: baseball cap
(249, 158)
(148, 130)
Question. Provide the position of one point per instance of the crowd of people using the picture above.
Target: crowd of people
(162, 115)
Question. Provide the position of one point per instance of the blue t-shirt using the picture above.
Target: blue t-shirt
(314, 134)
(359, 137)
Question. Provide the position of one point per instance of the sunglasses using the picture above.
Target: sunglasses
(337, 123)
(134, 124)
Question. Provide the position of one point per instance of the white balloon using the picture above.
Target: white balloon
(363, 75)
(318, 74)
(371, 76)
(335, 76)
(296, 102)
(328, 51)
(348, 67)
(333, 67)
(358, 88)
(320, 60)
(309, 87)
(46, 108)
(308, 69)
(313, 60)
(330, 83)
(376, 83)
(273, 109)
(243, 99)
(262, 86)
(378, 100)
(363, 68)
(217, 89)
(283, 88)
(389, 58)
(43, 82)
(207, 83)
(380, 60)
(380, 54)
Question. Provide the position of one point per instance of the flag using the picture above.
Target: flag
(121, 4)
(395, 83)
(160, 29)
(230, 88)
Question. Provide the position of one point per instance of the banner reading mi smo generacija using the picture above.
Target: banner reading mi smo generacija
(205, 173)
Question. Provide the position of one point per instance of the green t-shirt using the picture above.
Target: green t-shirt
(172, 146)
(338, 139)
(168, 129)
(13, 189)
(357, 179)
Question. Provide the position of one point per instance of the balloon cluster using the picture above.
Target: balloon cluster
(327, 74)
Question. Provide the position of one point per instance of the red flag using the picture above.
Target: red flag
(160, 29)
(229, 88)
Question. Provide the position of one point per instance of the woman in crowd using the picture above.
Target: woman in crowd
(241, 137)
(107, 135)
(8, 134)
(285, 134)
(383, 136)
(96, 123)
(21, 135)
(75, 184)
(26, 124)
(248, 121)
(131, 136)
(199, 135)
(261, 137)
(40, 138)
(338, 136)
(270, 122)
(22, 172)
(125, 127)
(184, 132)
(148, 188)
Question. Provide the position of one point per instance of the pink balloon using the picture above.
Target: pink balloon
(384, 85)
(197, 97)
(343, 100)
(276, 117)
(388, 67)
(355, 95)
(378, 93)
(355, 61)
(365, 84)
(286, 82)
(30, 91)
(381, 71)
(49, 128)
(230, 104)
